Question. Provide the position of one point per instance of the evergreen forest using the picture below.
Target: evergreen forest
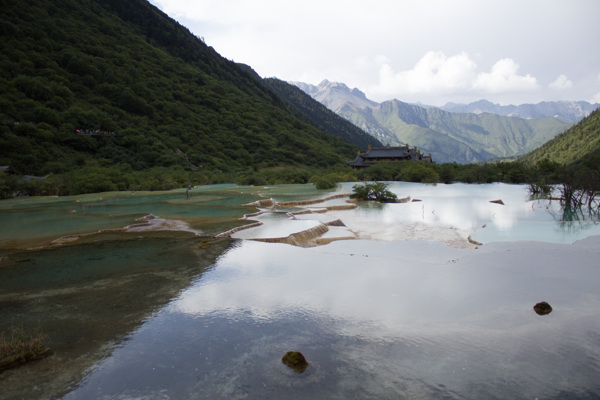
(113, 95)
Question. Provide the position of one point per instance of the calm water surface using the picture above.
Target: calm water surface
(385, 318)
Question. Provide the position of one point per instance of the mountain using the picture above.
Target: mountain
(578, 145)
(566, 111)
(335, 95)
(320, 116)
(464, 137)
(119, 85)
(448, 136)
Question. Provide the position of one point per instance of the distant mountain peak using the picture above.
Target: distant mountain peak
(566, 111)
(334, 95)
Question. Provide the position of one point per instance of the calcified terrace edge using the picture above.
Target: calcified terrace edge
(309, 237)
(306, 238)
(148, 222)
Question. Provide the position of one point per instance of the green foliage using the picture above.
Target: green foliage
(330, 181)
(540, 189)
(418, 172)
(426, 172)
(376, 191)
(9, 185)
(576, 145)
(324, 182)
(172, 101)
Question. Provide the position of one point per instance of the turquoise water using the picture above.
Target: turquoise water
(384, 316)
(32, 222)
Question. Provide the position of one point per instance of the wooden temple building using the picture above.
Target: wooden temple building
(388, 154)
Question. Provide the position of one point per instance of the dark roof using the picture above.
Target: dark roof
(386, 152)
(381, 153)
(358, 162)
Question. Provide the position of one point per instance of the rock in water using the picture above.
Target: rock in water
(542, 308)
(295, 360)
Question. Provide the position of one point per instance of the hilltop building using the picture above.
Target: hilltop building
(389, 154)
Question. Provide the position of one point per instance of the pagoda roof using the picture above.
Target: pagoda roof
(386, 152)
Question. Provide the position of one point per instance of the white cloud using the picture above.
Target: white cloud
(596, 98)
(504, 78)
(561, 83)
(435, 73)
(339, 40)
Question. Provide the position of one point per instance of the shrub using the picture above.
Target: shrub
(373, 191)
(328, 181)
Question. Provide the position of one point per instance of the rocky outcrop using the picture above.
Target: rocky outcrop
(542, 308)
(295, 360)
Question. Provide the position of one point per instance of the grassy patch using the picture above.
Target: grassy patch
(19, 347)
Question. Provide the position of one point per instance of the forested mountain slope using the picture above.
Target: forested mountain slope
(112, 83)
(579, 144)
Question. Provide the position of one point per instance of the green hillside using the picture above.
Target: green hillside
(580, 144)
(453, 137)
(155, 97)
(485, 135)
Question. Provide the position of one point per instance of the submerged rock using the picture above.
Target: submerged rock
(295, 360)
(542, 308)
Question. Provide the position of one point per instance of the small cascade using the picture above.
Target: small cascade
(307, 238)
(341, 207)
(264, 203)
(308, 202)
(237, 229)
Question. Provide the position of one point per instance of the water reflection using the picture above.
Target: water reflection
(573, 220)
(375, 320)
(89, 297)
(446, 213)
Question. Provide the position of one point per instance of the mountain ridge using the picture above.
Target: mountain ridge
(565, 111)
(436, 130)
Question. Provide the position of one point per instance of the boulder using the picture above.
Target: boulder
(542, 308)
(295, 360)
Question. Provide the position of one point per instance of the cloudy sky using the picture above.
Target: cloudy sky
(428, 51)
